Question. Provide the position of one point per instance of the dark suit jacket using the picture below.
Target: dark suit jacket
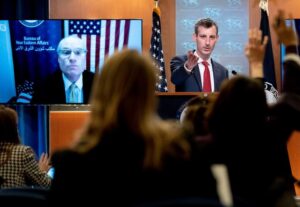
(191, 82)
(52, 91)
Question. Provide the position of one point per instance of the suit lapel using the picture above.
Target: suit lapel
(217, 74)
(85, 88)
(59, 93)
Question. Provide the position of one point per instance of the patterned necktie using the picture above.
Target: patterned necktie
(73, 93)
(206, 78)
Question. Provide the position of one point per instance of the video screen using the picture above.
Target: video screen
(31, 61)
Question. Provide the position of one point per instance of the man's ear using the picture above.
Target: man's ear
(194, 37)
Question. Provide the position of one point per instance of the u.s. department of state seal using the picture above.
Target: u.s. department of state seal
(271, 93)
(31, 23)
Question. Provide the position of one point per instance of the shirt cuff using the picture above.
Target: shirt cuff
(187, 70)
(292, 57)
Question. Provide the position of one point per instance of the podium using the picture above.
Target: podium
(170, 103)
(65, 121)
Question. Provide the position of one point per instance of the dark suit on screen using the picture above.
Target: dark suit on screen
(191, 82)
(52, 91)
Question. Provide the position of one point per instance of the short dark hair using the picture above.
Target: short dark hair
(207, 23)
(8, 125)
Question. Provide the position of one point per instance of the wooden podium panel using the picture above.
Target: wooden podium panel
(63, 126)
(293, 147)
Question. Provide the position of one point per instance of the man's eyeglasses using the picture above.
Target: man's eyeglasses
(65, 53)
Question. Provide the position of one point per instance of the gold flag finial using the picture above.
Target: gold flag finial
(156, 3)
(156, 7)
(263, 4)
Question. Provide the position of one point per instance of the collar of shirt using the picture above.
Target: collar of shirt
(200, 59)
(67, 83)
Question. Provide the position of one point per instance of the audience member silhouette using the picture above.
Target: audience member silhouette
(18, 167)
(238, 123)
(126, 151)
(194, 118)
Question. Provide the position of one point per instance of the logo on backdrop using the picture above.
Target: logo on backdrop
(31, 23)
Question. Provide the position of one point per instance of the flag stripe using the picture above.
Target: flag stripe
(88, 57)
(92, 51)
(117, 34)
(112, 37)
(97, 53)
(127, 27)
(102, 42)
(121, 36)
(102, 37)
(107, 35)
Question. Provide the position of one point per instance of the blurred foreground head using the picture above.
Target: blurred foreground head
(124, 90)
(240, 107)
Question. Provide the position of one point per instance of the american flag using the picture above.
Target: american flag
(269, 66)
(102, 37)
(157, 52)
(25, 92)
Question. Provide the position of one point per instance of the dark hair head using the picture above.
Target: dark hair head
(206, 23)
(241, 107)
(8, 125)
(194, 112)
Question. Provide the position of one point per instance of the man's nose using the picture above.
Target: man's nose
(72, 56)
(207, 41)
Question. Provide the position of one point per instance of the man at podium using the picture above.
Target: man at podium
(196, 71)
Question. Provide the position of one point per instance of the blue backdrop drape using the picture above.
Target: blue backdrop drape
(24, 9)
(33, 120)
(33, 126)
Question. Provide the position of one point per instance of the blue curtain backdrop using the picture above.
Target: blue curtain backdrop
(33, 126)
(33, 120)
(24, 9)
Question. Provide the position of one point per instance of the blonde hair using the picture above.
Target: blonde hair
(123, 95)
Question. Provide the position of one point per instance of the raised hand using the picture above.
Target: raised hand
(44, 162)
(192, 60)
(255, 52)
